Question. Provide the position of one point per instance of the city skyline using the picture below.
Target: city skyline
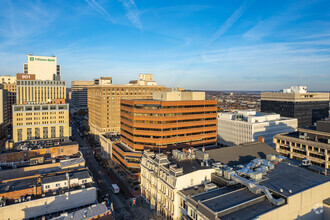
(240, 45)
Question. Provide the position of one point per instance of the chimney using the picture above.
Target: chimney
(261, 139)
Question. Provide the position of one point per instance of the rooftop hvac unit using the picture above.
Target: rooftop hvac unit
(210, 186)
(271, 157)
(227, 174)
(256, 176)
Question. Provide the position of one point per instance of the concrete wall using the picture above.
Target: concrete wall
(49, 205)
(178, 96)
(233, 132)
(304, 205)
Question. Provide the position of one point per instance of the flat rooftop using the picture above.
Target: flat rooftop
(85, 213)
(61, 177)
(18, 185)
(291, 177)
(227, 201)
(242, 153)
(38, 144)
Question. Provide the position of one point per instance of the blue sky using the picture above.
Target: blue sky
(212, 45)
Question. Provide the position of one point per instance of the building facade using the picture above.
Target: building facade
(163, 177)
(4, 120)
(170, 120)
(9, 84)
(245, 126)
(104, 104)
(306, 144)
(306, 107)
(7, 79)
(40, 91)
(44, 67)
(79, 93)
(44, 121)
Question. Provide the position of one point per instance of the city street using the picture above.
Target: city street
(122, 209)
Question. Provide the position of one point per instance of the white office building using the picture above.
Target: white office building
(246, 126)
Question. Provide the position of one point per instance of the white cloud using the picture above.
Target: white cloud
(133, 13)
(97, 7)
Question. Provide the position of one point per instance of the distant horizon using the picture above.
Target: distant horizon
(215, 45)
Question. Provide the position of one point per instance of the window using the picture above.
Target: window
(47, 186)
(58, 185)
(61, 131)
(53, 132)
(29, 133)
(37, 133)
(19, 134)
(45, 132)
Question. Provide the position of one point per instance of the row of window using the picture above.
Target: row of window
(37, 133)
(168, 129)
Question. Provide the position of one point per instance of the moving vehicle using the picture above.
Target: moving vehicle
(115, 188)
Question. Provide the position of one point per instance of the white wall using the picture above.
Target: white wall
(233, 132)
(49, 205)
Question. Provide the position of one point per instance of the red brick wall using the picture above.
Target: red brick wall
(66, 150)
(19, 193)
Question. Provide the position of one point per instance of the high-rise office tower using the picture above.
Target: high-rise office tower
(8, 83)
(170, 120)
(104, 103)
(40, 111)
(79, 94)
(296, 102)
(3, 113)
(45, 68)
(39, 91)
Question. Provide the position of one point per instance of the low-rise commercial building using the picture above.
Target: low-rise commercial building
(162, 177)
(257, 185)
(23, 153)
(51, 204)
(312, 144)
(245, 126)
(93, 212)
(274, 196)
(43, 121)
(65, 180)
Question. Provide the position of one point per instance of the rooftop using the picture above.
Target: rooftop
(18, 185)
(227, 201)
(70, 162)
(61, 177)
(39, 144)
(86, 213)
(241, 154)
(250, 116)
(237, 202)
(291, 177)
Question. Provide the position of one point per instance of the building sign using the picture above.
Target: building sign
(41, 59)
(20, 76)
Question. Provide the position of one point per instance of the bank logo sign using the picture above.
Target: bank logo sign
(40, 59)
